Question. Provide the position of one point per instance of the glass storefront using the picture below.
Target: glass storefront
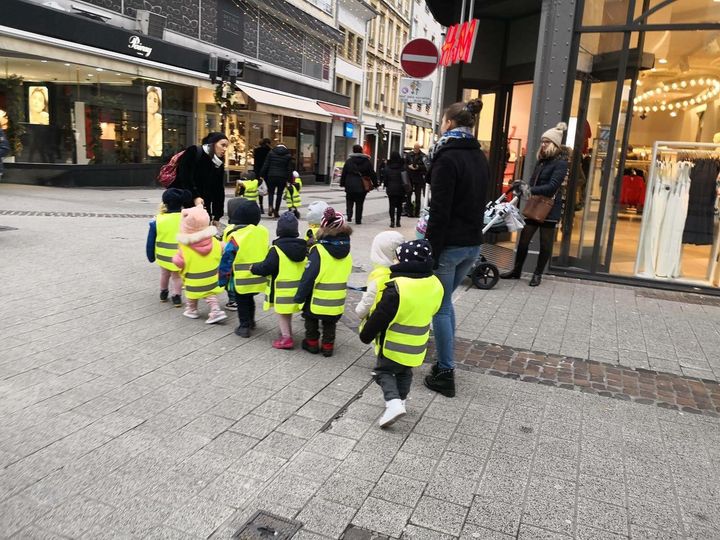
(644, 115)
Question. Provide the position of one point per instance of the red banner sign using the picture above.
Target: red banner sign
(459, 43)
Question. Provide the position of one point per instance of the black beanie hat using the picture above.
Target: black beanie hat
(213, 137)
(414, 251)
(174, 199)
(246, 213)
(287, 226)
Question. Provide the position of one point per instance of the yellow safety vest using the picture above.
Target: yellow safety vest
(380, 275)
(407, 334)
(312, 229)
(293, 200)
(285, 284)
(167, 227)
(200, 274)
(330, 290)
(252, 242)
(251, 190)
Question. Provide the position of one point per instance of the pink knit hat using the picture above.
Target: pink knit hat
(332, 219)
(194, 220)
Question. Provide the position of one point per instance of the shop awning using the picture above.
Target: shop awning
(338, 111)
(286, 104)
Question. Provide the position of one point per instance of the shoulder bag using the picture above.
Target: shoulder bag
(538, 207)
(407, 186)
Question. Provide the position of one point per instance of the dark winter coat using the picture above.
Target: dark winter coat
(339, 248)
(4, 148)
(391, 178)
(260, 154)
(459, 178)
(389, 304)
(278, 166)
(294, 249)
(547, 179)
(417, 176)
(197, 173)
(357, 166)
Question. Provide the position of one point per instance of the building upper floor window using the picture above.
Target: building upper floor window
(325, 5)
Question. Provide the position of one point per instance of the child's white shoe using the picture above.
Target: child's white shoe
(394, 410)
(216, 317)
(191, 313)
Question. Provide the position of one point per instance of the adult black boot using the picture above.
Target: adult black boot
(512, 274)
(535, 280)
(443, 382)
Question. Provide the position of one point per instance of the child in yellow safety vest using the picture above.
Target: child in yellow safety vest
(382, 255)
(247, 244)
(162, 242)
(323, 287)
(198, 259)
(284, 264)
(315, 212)
(400, 324)
(293, 201)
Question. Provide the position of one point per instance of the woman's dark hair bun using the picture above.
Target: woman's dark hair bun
(474, 106)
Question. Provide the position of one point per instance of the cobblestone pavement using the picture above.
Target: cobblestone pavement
(119, 418)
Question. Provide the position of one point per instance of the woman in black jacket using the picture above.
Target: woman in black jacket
(201, 170)
(547, 178)
(391, 178)
(459, 178)
(356, 166)
(277, 171)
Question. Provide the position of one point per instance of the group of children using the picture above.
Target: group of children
(300, 275)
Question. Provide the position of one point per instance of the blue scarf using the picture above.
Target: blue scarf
(457, 133)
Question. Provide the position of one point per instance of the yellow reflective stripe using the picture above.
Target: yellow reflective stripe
(239, 267)
(409, 330)
(331, 286)
(163, 258)
(329, 302)
(402, 348)
(287, 284)
(250, 281)
(166, 245)
(201, 275)
(201, 288)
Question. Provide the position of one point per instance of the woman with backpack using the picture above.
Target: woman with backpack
(201, 170)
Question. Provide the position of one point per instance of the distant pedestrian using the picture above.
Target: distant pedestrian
(4, 150)
(293, 196)
(382, 256)
(203, 174)
(415, 162)
(459, 179)
(400, 324)
(546, 179)
(198, 260)
(356, 173)
(391, 176)
(323, 287)
(247, 244)
(260, 153)
(315, 212)
(284, 265)
(277, 171)
(162, 242)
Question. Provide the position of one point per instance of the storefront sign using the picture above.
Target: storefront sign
(349, 130)
(137, 45)
(415, 91)
(459, 43)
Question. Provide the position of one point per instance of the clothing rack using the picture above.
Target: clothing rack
(673, 149)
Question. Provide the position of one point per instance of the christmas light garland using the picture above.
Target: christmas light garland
(703, 89)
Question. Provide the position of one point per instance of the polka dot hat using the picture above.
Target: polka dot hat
(414, 251)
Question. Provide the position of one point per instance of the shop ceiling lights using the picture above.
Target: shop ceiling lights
(703, 89)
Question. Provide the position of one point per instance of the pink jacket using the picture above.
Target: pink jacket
(200, 241)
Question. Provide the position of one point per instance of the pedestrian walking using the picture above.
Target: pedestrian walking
(4, 150)
(315, 212)
(382, 256)
(391, 176)
(249, 188)
(202, 172)
(357, 177)
(247, 244)
(277, 171)
(293, 198)
(400, 324)
(415, 163)
(162, 242)
(260, 153)
(323, 287)
(459, 179)
(546, 180)
(284, 265)
(198, 258)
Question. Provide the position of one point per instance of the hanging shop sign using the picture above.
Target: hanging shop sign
(415, 91)
(419, 58)
(459, 43)
(349, 130)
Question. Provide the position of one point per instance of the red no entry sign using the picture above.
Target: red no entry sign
(419, 58)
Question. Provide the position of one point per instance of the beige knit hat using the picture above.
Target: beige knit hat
(556, 134)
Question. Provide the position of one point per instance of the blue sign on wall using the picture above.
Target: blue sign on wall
(349, 130)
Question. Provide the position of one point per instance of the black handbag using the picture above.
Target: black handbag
(407, 185)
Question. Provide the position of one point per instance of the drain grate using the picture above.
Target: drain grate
(264, 525)
(356, 533)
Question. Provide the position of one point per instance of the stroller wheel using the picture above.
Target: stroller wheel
(485, 275)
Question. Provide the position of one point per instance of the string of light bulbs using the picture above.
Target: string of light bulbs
(704, 89)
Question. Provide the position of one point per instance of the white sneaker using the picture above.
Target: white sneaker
(191, 314)
(216, 317)
(394, 410)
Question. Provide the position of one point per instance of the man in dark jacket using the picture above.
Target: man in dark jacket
(4, 149)
(415, 162)
(259, 155)
(276, 171)
(356, 167)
